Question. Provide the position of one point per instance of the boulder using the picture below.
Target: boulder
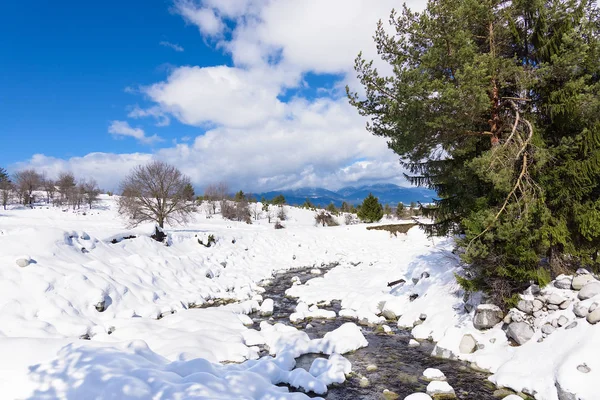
(572, 325)
(594, 316)
(423, 317)
(581, 280)
(565, 304)
(413, 343)
(23, 262)
(537, 305)
(555, 299)
(580, 310)
(468, 344)
(563, 282)
(526, 306)
(590, 290)
(562, 320)
(487, 316)
(520, 332)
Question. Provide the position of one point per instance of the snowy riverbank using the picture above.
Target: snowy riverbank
(133, 300)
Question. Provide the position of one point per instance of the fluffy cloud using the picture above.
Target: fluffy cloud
(205, 18)
(218, 95)
(122, 129)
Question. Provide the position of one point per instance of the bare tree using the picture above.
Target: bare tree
(26, 182)
(155, 192)
(67, 188)
(216, 193)
(256, 210)
(90, 191)
(50, 188)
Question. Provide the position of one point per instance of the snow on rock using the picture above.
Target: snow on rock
(589, 290)
(487, 316)
(332, 370)
(440, 389)
(581, 280)
(303, 311)
(434, 374)
(266, 308)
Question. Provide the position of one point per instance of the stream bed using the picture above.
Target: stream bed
(399, 367)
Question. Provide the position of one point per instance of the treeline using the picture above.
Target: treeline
(29, 187)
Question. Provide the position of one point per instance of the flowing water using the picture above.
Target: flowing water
(399, 367)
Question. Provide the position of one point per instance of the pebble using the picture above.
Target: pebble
(364, 382)
(583, 368)
(434, 374)
(371, 367)
(572, 325)
(413, 343)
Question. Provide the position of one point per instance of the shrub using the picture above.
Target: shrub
(370, 210)
(324, 218)
(279, 225)
(282, 214)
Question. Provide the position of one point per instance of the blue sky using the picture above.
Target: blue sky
(245, 91)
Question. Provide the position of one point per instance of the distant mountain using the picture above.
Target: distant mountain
(386, 192)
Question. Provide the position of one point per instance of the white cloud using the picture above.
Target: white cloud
(161, 118)
(218, 95)
(173, 46)
(122, 128)
(108, 169)
(205, 18)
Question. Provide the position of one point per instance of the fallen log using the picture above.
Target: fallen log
(394, 283)
(393, 229)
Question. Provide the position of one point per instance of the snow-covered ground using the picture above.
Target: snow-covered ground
(134, 300)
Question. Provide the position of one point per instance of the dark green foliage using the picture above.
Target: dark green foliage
(188, 192)
(239, 196)
(345, 207)
(387, 210)
(278, 200)
(400, 211)
(332, 209)
(496, 106)
(209, 242)
(307, 205)
(370, 210)
(3, 175)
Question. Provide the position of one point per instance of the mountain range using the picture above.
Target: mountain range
(387, 193)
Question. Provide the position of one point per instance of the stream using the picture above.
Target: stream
(399, 367)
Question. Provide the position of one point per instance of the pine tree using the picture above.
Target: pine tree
(400, 211)
(370, 210)
(188, 192)
(278, 200)
(495, 105)
(387, 210)
(332, 208)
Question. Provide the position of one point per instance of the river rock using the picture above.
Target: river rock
(413, 343)
(266, 308)
(520, 332)
(594, 316)
(552, 307)
(548, 329)
(486, 316)
(581, 280)
(526, 306)
(582, 271)
(537, 304)
(425, 275)
(512, 397)
(423, 317)
(563, 282)
(590, 290)
(572, 325)
(100, 306)
(371, 367)
(468, 344)
(23, 262)
(440, 390)
(434, 374)
(580, 310)
(555, 299)
(583, 368)
(593, 307)
(562, 320)
(389, 395)
(565, 304)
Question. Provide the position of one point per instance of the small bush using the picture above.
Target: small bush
(324, 218)
(282, 214)
(279, 225)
